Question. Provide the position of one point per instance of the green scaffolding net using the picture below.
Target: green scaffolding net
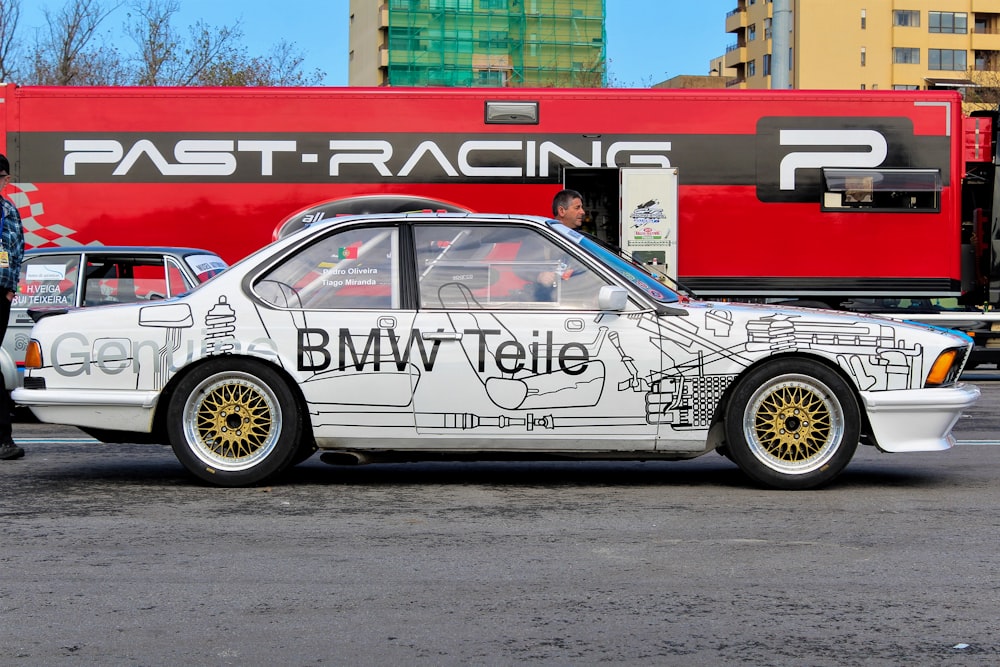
(497, 43)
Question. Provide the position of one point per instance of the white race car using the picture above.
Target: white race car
(468, 336)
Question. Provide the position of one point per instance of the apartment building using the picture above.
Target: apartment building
(495, 43)
(870, 44)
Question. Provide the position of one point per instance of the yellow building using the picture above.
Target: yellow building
(870, 44)
(495, 43)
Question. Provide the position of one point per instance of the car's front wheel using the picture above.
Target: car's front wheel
(234, 423)
(792, 424)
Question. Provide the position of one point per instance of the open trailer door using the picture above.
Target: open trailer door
(649, 216)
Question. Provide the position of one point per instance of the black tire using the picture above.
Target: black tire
(792, 424)
(234, 422)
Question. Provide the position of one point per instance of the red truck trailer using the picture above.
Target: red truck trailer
(866, 200)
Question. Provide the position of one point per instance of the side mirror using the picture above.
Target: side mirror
(612, 297)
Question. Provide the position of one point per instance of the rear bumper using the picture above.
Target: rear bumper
(106, 409)
(918, 420)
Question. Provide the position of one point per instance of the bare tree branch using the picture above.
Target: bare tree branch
(67, 56)
(157, 41)
(72, 52)
(10, 15)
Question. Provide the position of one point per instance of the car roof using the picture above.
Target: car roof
(120, 249)
(431, 216)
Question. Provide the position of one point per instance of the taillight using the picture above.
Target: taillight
(33, 355)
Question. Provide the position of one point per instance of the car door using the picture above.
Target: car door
(336, 302)
(509, 357)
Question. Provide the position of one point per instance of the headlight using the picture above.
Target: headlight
(946, 367)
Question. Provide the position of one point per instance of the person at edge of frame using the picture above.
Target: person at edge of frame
(11, 254)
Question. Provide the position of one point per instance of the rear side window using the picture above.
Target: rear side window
(48, 280)
(127, 279)
(351, 269)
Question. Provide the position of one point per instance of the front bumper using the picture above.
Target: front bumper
(917, 420)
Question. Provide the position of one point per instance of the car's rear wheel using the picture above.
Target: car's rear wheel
(234, 423)
(792, 424)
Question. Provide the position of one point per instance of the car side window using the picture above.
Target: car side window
(355, 268)
(123, 278)
(47, 280)
(500, 268)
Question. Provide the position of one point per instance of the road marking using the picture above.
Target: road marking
(47, 441)
(977, 442)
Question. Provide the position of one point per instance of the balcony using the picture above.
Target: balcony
(735, 55)
(736, 20)
(985, 42)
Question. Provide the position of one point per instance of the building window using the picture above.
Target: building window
(903, 55)
(908, 18)
(864, 19)
(492, 78)
(950, 22)
(752, 68)
(453, 41)
(767, 64)
(767, 28)
(904, 86)
(493, 4)
(863, 54)
(493, 39)
(402, 38)
(452, 4)
(946, 59)
(862, 86)
(752, 32)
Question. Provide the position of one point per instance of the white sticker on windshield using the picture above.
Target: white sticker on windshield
(45, 272)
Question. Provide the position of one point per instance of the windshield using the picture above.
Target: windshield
(634, 273)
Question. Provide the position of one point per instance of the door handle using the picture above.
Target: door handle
(441, 335)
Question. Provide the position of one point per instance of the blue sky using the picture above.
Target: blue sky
(648, 40)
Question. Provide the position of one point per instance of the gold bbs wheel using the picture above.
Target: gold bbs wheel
(792, 423)
(234, 422)
(231, 421)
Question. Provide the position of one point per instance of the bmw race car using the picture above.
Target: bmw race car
(472, 336)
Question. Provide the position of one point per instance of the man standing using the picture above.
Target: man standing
(11, 253)
(567, 208)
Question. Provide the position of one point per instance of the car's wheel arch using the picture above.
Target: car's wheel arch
(168, 391)
(718, 418)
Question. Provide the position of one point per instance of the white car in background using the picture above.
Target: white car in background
(470, 336)
(83, 276)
